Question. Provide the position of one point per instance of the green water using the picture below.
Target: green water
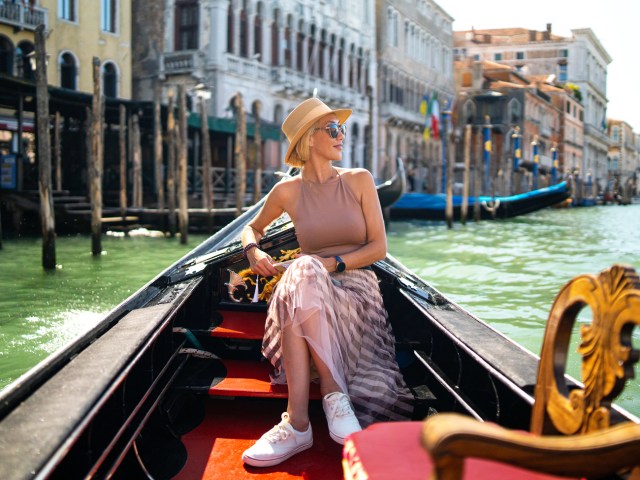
(42, 311)
(508, 272)
(505, 272)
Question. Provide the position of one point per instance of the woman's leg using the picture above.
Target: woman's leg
(295, 357)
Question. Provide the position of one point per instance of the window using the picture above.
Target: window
(6, 55)
(186, 36)
(569, 107)
(515, 111)
(25, 52)
(519, 55)
(476, 57)
(564, 53)
(108, 16)
(615, 134)
(497, 57)
(68, 71)
(67, 10)
(110, 80)
(562, 73)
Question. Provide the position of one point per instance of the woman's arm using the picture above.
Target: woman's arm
(361, 183)
(261, 262)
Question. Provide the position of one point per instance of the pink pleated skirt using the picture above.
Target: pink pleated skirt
(342, 317)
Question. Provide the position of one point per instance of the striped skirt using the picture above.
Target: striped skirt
(342, 317)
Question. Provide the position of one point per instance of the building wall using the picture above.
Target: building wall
(272, 54)
(85, 39)
(579, 59)
(415, 58)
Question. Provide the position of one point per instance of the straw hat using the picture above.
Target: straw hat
(304, 116)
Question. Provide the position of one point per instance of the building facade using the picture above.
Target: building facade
(79, 30)
(623, 165)
(580, 60)
(276, 54)
(415, 63)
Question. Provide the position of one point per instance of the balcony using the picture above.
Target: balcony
(292, 82)
(22, 17)
(181, 62)
(248, 67)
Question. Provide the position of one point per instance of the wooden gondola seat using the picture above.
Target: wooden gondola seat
(571, 432)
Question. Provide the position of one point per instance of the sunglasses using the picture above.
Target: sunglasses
(335, 128)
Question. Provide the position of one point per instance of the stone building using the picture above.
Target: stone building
(274, 55)
(415, 58)
(498, 95)
(580, 60)
(623, 165)
(570, 146)
(76, 31)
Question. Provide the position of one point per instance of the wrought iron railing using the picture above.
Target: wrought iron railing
(22, 16)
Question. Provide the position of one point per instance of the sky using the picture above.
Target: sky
(615, 22)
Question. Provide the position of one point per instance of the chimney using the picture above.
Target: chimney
(532, 35)
(477, 72)
(546, 35)
(549, 28)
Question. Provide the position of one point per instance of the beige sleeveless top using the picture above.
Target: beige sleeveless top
(329, 219)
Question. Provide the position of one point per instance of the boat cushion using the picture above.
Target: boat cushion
(393, 450)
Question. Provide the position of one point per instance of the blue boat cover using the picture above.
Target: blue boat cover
(438, 201)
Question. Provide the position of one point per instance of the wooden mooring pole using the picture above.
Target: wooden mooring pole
(137, 194)
(171, 164)
(450, 161)
(183, 213)
(477, 184)
(122, 142)
(257, 168)
(57, 149)
(47, 220)
(96, 161)
(464, 209)
(157, 150)
(240, 155)
(207, 190)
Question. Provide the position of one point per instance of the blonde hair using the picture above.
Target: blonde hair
(300, 153)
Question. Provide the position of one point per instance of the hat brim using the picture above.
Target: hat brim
(342, 113)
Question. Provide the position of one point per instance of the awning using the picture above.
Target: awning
(228, 125)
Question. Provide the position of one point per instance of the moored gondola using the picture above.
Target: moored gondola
(425, 206)
(171, 383)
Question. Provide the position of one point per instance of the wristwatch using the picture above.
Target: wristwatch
(340, 265)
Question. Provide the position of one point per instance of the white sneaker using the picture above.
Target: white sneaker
(340, 417)
(278, 444)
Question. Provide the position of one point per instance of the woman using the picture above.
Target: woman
(326, 310)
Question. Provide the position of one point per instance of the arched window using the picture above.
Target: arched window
(110, 80)
(515, 111)
(300, 39)
(275, 44)
(68, 71)
(257, 33)
(186, 24)
(6, 55)
(468, 112)
(25, 53)
(244, 32)
(230, 30)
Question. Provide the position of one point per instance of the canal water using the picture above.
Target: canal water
(505, 272)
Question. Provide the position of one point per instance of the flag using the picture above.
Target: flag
(425, 107)
(424, 103)
(435, 116)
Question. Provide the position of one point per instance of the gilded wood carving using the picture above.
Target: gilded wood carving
(606, 348)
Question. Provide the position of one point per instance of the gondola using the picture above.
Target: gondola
(392, 190)
(425, 206)
(171, 383)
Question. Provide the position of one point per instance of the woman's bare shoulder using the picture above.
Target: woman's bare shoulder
(356, 176)
(286, 188)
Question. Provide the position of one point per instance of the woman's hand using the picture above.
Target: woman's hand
(261, 262)
(329, 263)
